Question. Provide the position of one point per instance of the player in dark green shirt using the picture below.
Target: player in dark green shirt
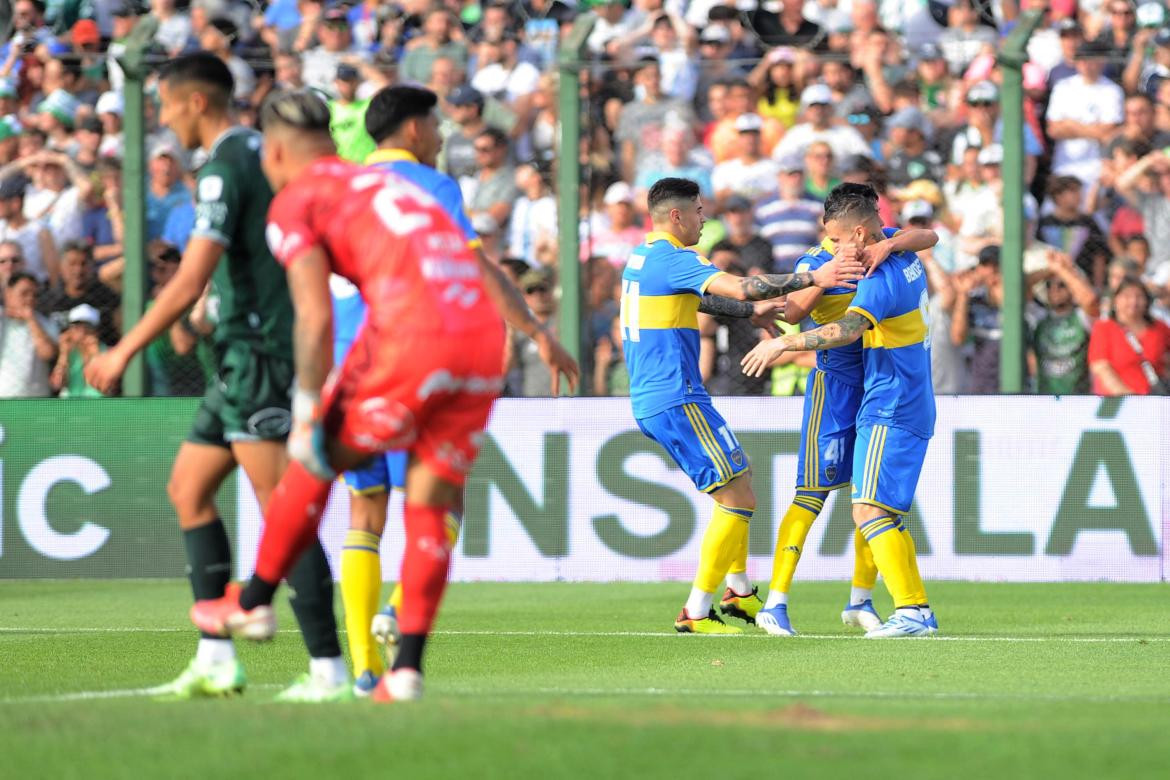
(244, 418)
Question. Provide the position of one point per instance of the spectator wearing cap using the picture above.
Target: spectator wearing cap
(817, 104)
(125, 16)
(715, 65)
(436, 39)
(1146, 185)
(89, 144)
(1068, 228)
(774, 77)
(347, 116)
(493, 190)
(910, 156)
(679, 158)
(640, 126)
(1142, 75)
(28, 341)
(79, 343)
(80, 285)
(791, 220)
(724, 138)
(219, 37)
(57, 195)
(109, 110)
(528, 376)
(965, 37)
(56, 115)
(977, 322)
(618, 233)
(174, 27)
(165, 190)
(36, 242)
(465, 107)
(319, 65)
(1084, 114)
(751, 174)
(985, 127)
(501, 74)
(741, 234)
(789, 27)
(532, 229)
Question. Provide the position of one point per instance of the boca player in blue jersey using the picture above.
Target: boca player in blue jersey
(402, 122)
(664, 286)
(828, 431)
(889, 313)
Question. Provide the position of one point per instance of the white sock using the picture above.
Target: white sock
(775, 597)
(215, 651)
(926, 612)
(860, 595)
(699, 604)
(739, 583)
(329, 670)
(910, 612)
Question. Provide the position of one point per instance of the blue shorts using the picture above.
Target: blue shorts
(887, 463)
(827, 433)
(379, 475)
(697, 438)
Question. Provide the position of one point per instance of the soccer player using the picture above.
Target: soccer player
(663, 288)
(403, 123)
(825, 460)
(422, 374)
(244, 418)
(890, 314)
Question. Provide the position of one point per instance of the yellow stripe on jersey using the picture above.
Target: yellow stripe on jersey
(867, 473)
(905, 330)
(696, 419)
(812, 437)
(656, 312)
(831, 308)
(877, 448)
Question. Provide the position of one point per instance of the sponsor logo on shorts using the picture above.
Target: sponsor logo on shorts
(442, 381)
(385, 425)
(270, 423)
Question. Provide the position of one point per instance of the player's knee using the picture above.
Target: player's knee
(863, 513)
(189, 500)
(739, 493)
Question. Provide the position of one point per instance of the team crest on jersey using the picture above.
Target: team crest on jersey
(210, 188)
(737, 458)
(831, 473)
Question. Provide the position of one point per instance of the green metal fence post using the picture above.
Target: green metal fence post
(1012, 57)
(133, 63)
(572, 54)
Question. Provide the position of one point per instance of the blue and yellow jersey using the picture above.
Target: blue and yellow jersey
(662, 287)
(844, 363)
(896, 349)
(349, 310)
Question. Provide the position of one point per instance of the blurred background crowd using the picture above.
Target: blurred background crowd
(768, 105)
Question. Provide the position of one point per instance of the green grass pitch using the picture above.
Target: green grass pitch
(577, 680)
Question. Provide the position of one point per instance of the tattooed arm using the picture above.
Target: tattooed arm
(719, 306)
(840, 272)
(844, 331)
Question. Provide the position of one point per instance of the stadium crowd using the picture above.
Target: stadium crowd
(766, 105)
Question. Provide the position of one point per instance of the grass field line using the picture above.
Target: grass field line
(585, 634)
(114, 693)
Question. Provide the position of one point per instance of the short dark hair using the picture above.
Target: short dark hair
(671, 188)
(71, 64)
(1059, 184)
(77, 245)
(19, 276)
(1129, 280)
(392, 106)
(300, 109)
(498, 136)
(204, 69)
(854, 202)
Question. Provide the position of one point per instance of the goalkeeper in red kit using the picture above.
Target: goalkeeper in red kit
(421, 376)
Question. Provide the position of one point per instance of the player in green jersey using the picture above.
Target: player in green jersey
(244, 418)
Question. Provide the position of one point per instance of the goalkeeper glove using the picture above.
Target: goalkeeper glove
(306, 440)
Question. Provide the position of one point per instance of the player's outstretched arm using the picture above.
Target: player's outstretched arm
(516, 313)
(195, 269)
(839, 272)
(844, 331)
(763, 314)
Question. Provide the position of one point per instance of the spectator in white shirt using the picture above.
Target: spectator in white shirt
(57, 197)
(750, 174)
(28, 341)
(174, 28)
(1084, 114)
(817, 103)
(36, 242)
(965, 38)
(320, 63)
(501, 74)
(532, 230)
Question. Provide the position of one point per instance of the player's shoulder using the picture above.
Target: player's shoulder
(238, 144)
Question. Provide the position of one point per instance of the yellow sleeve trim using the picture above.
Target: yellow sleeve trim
(872, 319)
(474, 243)
(710, 279)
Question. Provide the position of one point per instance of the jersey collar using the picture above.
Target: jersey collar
(389, 155)
(226, 134)
(661, 235)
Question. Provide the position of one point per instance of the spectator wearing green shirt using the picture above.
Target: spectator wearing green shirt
(347, 122)
(78, 345)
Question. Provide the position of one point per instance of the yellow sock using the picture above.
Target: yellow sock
(794, 528)
(917, 587)
(454, 524)
(892, 557)
(361, 588)
(864, 569)
(722, 541)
